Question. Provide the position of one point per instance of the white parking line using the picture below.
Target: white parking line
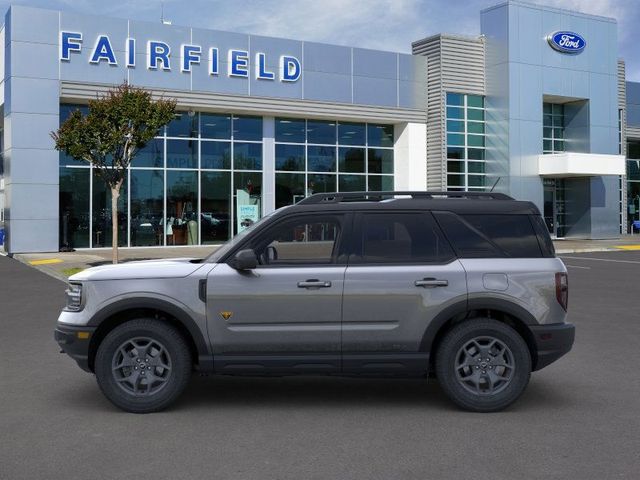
(602, 259)
(576, 266)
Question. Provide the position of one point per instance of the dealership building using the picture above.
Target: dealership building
(537, 106)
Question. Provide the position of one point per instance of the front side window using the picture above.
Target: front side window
(400, 238)
(301, 241)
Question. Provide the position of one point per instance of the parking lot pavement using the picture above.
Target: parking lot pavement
(579, 418)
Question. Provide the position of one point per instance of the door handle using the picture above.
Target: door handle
(313, 283)
(431, 283)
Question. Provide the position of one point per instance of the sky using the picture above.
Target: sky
(378, 24)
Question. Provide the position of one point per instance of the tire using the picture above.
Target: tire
(135, 352)
(472, 382)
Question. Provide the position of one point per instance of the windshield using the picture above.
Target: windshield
(231, 244)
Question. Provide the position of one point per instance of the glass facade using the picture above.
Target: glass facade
(633, 183)
(181, 189)
(553, 139)
(184, 186)
(465, 131)
(322, 156)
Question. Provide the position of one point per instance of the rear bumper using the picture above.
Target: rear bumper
(74, 341)
(552, 342)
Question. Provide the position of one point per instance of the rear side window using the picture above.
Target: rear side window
(400, 238)
(514, 234)
(485, 235)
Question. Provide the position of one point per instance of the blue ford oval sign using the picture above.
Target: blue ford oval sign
(567, 42)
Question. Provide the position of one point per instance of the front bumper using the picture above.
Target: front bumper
(75, 341)
(552, 342)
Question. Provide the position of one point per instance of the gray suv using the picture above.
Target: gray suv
(463, 286)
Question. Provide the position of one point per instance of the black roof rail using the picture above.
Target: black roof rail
(336, 197)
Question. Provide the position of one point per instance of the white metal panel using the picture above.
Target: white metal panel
(573, 164)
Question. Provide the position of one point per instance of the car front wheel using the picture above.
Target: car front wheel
(483, 365)
(143, 365)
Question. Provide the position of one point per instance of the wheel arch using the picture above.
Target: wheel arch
(504, 311)
(122, 311)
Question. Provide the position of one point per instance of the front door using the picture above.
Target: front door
(402, 273)
(285, 314)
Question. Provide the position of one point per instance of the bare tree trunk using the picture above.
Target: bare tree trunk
(115, 194)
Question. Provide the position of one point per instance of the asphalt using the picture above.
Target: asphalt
(579, 418)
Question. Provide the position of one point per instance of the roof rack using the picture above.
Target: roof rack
(336, 197)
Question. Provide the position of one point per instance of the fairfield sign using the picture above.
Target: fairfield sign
(160, 57)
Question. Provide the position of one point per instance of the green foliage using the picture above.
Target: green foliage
(117, 126)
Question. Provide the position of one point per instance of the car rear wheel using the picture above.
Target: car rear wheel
(143, 365)
(483, 365)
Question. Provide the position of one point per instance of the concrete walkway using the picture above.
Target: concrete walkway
(63, 264)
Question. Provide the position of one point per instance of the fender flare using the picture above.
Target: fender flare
(462, 308)
(203, 351)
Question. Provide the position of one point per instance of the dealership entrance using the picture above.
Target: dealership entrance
(555, 206)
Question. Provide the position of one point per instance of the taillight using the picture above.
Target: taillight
(562, 289)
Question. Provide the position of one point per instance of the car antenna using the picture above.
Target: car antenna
(494, 185)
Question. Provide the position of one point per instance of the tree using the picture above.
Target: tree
(117, 126)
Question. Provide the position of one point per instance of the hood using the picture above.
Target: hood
(165, 268)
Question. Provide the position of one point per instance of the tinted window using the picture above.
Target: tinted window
(466, 240)
(400, 238)
(514, 234)
(303, 241)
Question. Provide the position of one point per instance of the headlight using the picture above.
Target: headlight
(74, 297)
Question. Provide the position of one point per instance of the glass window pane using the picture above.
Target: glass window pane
(558, 133)
(247, 192)
(185, 124)
(351, 133)
(547, 120)
(68, 160)
(475, 140)
(455, 99)
(633, 149)
(455, 113)
(290, 130)
(380, 183)
(67, 108)
(215, 126)
(351, 160)
(455, 153)
(547, 132)
(475, 153)
(514, 234)
(182, 208)
(633, 170)
(475, 127)
(380, 135)
(546, 108)
(147, 209)
(475, 101)
(320, 183)
(152, 155)
(215, 202)
(558, 109)
(455, 139)
(215, 155)
(400, 238)
(289, 188)
(182, 154)
(455, 180)
(247, 128)
(558, 146)
(101, 214)
(380, 161)
(290, 157)
(476, 167)
(473, 114)
(557, 121)
(476, 181)
(455, 167)
(247, 156)
(321, 132)
(74, 207)
(547, 145)
(321, 159)
(352, 183)
(455, 126)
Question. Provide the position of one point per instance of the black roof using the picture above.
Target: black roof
(458, 202)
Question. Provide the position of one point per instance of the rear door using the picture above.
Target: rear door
(402, 272)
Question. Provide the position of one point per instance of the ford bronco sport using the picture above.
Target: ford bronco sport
(462, 285)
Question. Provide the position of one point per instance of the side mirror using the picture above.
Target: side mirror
(244, 260)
